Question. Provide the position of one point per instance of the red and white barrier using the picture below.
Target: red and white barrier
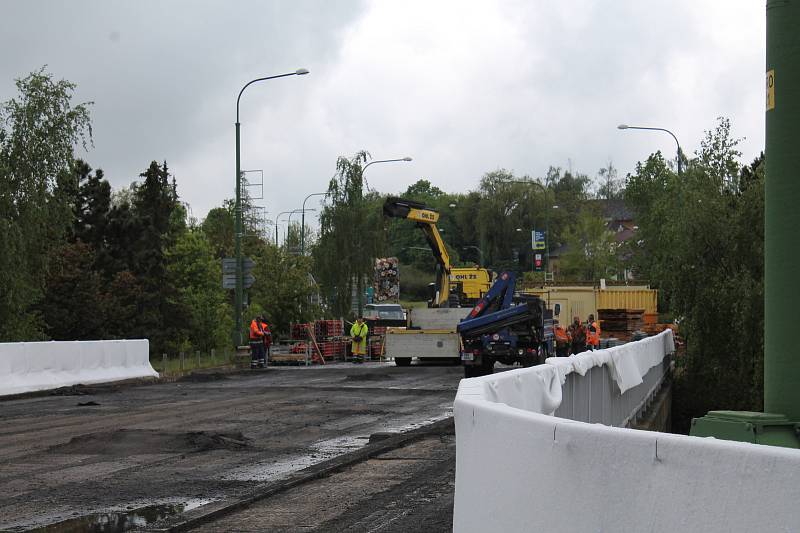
(33, 366)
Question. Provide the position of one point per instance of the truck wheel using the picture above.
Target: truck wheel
(471, 371)
(402, 361)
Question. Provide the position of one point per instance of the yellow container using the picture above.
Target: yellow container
(628, 298)
(570, 301)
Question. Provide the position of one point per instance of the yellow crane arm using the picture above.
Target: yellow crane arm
(426, 219)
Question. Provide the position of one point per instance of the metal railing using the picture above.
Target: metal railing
(595, 397)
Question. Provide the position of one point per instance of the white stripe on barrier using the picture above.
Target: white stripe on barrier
(519, 469)
(32, 366)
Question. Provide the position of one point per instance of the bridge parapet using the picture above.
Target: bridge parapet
(535, 452)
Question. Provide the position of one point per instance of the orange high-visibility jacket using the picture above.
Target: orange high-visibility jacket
(256, 332)
(593, 334)
(561, 335)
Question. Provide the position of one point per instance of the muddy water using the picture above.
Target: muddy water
(117, 521)
(281, 468)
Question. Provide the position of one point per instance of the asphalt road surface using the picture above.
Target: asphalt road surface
(116, 457)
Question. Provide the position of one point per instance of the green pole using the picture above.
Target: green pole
(238, 298)
(782, 217)
(237, 216)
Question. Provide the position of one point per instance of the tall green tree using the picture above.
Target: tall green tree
(39, 131)
(609, 185)
(196, 274)
(74, 304)
(219, 229)
(161, 220)
(284, 290)
(592, 250)
(92, 205)
(351, 235)
(701, 241)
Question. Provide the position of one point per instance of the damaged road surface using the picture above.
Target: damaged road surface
(133, 457)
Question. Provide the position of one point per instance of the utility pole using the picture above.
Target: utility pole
(782, 196)
(777, 425)
(238, 303)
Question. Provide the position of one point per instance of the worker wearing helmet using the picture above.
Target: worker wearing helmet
(359, 333)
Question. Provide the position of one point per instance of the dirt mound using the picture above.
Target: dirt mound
(145, 441)
(83, 390)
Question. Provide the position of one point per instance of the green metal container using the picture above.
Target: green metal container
(747, 426)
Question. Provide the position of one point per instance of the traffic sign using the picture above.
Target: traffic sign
(538, 239)
(229, 281)
(229, 265)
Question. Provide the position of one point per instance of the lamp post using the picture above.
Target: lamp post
(289, 223)
(239, 291)
(364, 168)
(303, 222)
(276, 224)
(626, 127)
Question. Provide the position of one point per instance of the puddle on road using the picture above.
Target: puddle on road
(119, 520)
(282, 468)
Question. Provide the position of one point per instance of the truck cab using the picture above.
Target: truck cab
(505, 327)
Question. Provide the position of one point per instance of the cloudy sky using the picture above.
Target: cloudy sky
(463, 87)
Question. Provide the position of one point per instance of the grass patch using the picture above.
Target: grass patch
(173, 366)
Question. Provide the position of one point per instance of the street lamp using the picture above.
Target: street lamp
(239, 292)
(289, 224)
(626, 127)
(303, 223)
(276, 224)
(364, 168)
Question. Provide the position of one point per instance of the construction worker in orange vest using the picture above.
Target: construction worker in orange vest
(257, 352)
(592, 334)
(563, 340)
(359, 333)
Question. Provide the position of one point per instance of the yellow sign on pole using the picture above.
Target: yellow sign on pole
(770, 89)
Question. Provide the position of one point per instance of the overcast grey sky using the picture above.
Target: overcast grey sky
(463, 87)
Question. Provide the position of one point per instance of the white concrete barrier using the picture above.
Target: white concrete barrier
(519, 469)
(32, 366)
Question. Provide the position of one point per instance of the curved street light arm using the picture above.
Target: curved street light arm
(678, 144)
(303, 222)
(298, 72)
(364, 168)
